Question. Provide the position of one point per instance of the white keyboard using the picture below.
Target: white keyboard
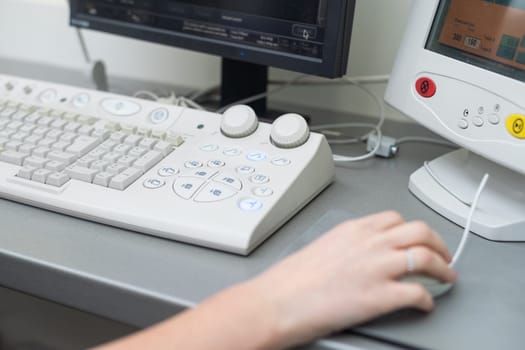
(225, 182)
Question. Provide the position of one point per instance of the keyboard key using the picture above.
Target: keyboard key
(68, 137)
(59, 124)
(133, 140)
(12, 157)
(100, 165)
(111, 157)
(81, 173)
(26, 172)
(127, 161)
(148, 143)
(26, 148)
(86, 161)
(124, 179)
(15, 125)
(148, 160)
(72, 126)
(60, 146)
(86, 130)
(83, 144)
(115, 168)
(41, 151)
(57, 179)
(40, 175)
(122, 149)
(163, 147)
(103, 179)
(62, 156)
(186, 187)
(137, 152)
(13, 145)
(33, 139)
(55, 165)
(34, 161)
(54, 134)
(98, 152)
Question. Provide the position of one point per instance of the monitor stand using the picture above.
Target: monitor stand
(454, 178)
(241, 80)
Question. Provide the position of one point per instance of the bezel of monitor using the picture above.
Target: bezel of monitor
(463, 91)
(340, 14)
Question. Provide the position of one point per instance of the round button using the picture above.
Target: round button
(48, 96)
(80, 100)
(289, 131)
(216, 164)
(259, 179)
(120, 108)
(478, 121)
(159, 116)
(239, 121)
(263, 191)
(193, 164)
(256, 156)
(28, 90)
(281, 161)
(426, 87)
(245, 170)
(250, 204)
(494, 119)
(463, 124)
(232, 152)
(167, 171)
(153, 184)
(209, 147)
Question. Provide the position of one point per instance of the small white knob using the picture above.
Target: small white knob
(290, 131)
(239, 121)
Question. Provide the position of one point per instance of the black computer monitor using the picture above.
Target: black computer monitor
(309, 36)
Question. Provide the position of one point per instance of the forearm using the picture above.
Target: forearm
(237, 318)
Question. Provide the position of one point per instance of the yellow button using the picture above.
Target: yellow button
(516, 125)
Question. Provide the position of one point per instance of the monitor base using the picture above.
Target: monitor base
(453, 180)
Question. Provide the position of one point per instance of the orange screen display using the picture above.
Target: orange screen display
(493, 29)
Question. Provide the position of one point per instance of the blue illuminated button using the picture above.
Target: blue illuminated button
(159, 116)
(256, 156)
(250, 204)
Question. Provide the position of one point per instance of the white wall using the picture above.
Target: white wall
(44, 36)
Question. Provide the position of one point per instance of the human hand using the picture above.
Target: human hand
(350, 275)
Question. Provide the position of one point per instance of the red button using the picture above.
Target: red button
(426, 87)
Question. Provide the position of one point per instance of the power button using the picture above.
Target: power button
(516, 125)
(426, 87)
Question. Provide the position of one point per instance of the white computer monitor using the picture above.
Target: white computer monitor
(460, 72)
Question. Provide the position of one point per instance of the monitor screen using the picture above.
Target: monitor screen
(487, 34)
(310, 36)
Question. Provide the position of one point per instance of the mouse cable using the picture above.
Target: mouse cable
(466, 232)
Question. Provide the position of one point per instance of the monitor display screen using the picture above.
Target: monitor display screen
(487, 33)
(289, 30)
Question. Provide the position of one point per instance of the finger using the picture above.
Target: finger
(424, 261)
(381, 221)
(417, 234)
(409, 295)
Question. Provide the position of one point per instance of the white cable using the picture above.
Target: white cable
(417, 139)
(172, 99)
(371, 154)
(151, 95)
(473, 208)
(433, 175)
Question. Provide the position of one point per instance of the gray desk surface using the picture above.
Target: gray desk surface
(140, 279)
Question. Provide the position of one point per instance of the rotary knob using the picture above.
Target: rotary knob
(239, 121)
(290, 131)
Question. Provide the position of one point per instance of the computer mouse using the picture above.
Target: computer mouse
(435, 287)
